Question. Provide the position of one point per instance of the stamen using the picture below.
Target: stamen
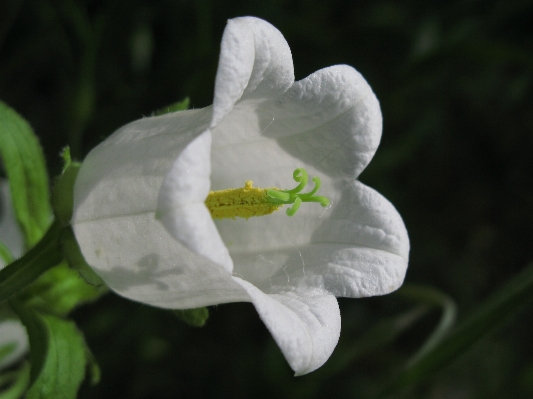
(253, 201)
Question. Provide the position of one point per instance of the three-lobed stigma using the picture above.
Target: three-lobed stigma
(254, 201)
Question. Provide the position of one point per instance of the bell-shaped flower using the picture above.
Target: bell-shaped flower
(141, 219)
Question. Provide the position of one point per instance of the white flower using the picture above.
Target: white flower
(141, 221)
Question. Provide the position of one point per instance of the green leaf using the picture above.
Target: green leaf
(5, 254)
(193, 317)
(58, 355)
(179, 106)
(43, 256)
(26, 170)
(60, 290)
(43, 280)
(6, 349)
(17, 380)
(497, 309)
(92, 367)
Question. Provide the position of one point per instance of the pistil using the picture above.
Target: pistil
(252, 201)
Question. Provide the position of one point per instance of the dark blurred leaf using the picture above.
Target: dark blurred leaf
(378, 336)
(193, 317)
(15, 383)
(433, 297)
(506, 302)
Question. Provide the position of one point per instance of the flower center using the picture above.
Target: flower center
(254, 201)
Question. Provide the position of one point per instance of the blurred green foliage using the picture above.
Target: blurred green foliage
(455, 82)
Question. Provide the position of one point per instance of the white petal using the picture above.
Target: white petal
(181, 205)
(331, 120)
(123, 175)
(359, 248)
(364, 245)
(13, 333)
(115, 202)
(305, 324)
(255, 62)
(137, 257)
(365, 218)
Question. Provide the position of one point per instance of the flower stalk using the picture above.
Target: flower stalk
(43, 256)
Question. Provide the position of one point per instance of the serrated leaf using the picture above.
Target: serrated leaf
(193, 317)
(58, 355)
(25, 167)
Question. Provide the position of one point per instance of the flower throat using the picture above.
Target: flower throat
(253, 201)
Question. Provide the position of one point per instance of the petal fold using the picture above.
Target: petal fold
(181, 206)
(359, 248)
(362, 249)
(305, 324)
(138, 259)
(123, 174)
(331, 120)
(255, 62)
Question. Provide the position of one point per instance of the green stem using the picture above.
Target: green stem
(514, 296)
(43, 256)
(433, 297)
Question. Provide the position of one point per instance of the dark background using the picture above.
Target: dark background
(455, 81)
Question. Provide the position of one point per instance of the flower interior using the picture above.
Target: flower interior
(254, 201)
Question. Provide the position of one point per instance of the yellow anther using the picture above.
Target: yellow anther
(240, 202)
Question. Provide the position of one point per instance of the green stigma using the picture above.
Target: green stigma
(294, 197)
